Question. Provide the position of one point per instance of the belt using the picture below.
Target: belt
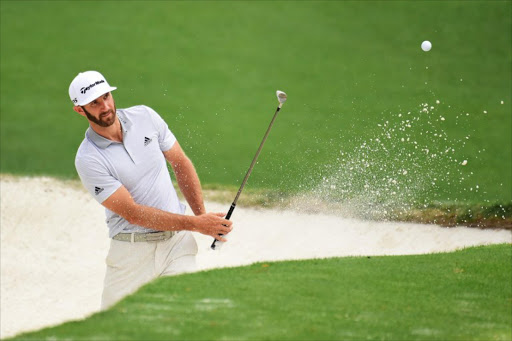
(144, 237)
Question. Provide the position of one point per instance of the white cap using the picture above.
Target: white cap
(88, 86)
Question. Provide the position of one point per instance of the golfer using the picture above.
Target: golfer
(122, 162)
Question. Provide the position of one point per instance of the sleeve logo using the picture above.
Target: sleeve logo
(98, 190)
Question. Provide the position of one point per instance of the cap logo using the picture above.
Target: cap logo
(75, 100)
(85, 89)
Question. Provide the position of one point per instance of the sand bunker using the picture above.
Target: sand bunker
(54, 241)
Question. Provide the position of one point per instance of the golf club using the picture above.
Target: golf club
(281, 97)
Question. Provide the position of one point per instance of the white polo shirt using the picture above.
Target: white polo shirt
(137, 163)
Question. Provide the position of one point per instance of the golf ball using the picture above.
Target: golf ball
(426, 46)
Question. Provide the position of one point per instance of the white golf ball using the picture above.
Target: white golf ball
(426, 46)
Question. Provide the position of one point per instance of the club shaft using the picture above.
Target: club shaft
(233, 205)
(255, 158)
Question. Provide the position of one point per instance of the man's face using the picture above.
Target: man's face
(101, 111)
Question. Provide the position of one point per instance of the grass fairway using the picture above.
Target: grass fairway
(465, 295)
(354, 73)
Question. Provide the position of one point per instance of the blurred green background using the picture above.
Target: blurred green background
(355, 123)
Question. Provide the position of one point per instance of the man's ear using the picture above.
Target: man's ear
(79, 110)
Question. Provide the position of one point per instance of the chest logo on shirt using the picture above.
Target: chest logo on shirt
(147, 141)
(98, 190)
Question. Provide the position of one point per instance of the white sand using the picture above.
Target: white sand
(54, 241)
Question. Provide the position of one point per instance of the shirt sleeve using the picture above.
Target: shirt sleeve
(166, 138)
(96, 178)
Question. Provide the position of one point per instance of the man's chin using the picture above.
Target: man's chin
(109, 120)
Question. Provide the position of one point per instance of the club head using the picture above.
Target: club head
(281, 96)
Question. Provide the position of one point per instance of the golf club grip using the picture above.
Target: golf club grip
(230, 212)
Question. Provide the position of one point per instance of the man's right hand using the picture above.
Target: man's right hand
(213, 224)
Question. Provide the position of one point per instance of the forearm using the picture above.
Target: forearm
(122, 203)
(187, 178)
(210, 224)
(190, 186)
(156, 219)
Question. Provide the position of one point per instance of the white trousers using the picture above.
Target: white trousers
(131, 265)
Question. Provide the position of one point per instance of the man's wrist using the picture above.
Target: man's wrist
(199, 209)
(192, 224)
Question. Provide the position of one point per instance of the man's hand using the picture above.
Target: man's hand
(213, 224)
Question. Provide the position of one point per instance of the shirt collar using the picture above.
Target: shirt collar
(102, 142)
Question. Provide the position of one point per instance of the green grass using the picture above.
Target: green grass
(210, 68)
(464, 295)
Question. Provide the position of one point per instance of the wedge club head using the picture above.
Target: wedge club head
(281, 97)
